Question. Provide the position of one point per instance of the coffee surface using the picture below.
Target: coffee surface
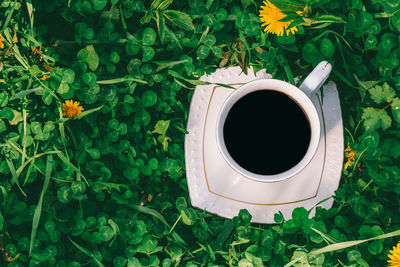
(266, 132)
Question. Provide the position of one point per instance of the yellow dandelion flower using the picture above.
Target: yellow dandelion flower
(270, 15)
(351, 154)
(348, 149)
(350, 157)
(45, 77)
(394, 256)
(2, 41)
(71, 109)
(349, 161)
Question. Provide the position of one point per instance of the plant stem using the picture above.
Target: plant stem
(176, 222)
(64, 42)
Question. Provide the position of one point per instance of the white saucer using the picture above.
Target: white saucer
(215, 187)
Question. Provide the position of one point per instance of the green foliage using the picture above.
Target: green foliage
(89, 56)
(108, 188)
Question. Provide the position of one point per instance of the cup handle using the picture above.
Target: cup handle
(316, 78)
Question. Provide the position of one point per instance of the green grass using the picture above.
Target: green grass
(108, 187)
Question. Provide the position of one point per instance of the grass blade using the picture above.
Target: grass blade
(226, 231)
(87, 112)
(20, 95)
(343, 78)
(28, 172)
(29, 6)
(124, 27)
(166, 64)
(87, 252)
(173, 36)
(5, 194)
(7, 21)
(342, 245)
(38, 210)
(289, 74)
(24, 114)
(327, 238)
(21, 59)
(14, 179)
(346, 67)
(149, 211)
(158, 215)
(195, 82)
(35, 156)
(121, 80)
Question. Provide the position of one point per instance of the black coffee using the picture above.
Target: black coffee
(266, 132)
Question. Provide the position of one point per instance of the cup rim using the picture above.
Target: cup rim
(297, 95)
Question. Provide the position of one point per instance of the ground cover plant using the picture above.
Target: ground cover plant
(94, 98)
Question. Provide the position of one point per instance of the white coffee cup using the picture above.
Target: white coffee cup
(301, 96)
